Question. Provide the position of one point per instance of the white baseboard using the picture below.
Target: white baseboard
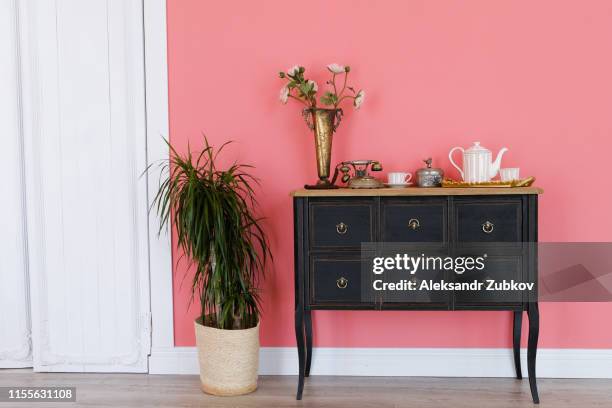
(15, 364)
(422, 362)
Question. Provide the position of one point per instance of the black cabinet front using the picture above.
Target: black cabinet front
(472, 225)
(414, 220)
(490, 220)
(498, 268)
(335, 279)
(336, 224)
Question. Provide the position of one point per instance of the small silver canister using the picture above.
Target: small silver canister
(428, 176)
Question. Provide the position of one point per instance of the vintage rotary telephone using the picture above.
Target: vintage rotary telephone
(360, 177)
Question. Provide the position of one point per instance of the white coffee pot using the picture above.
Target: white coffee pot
(477, 164)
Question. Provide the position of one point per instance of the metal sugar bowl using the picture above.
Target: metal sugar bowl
(428, 176)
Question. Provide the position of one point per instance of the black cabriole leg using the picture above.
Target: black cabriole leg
(532, 348)
(516, 342)
(308, 327)
(299, 337)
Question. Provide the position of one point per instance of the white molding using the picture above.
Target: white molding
(160, 251)
(173, 360)
(116, 336)
(422, 362)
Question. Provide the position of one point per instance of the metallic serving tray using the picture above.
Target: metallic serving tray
(498, 183)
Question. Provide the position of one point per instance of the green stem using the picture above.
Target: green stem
(298, 99)
(345, 97)
(334, 83)
(344, 86)
(340, 97)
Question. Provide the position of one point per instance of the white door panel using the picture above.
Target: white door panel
(15, 346)
(85, 148)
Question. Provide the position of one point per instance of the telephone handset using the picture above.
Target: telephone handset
(360, 178)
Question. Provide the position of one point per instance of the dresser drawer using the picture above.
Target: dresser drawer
(336, 279)
(499, 269)
(414, 220)
(341, 224)
(488, 220)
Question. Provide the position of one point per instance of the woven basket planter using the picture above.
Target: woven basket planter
(229, 359)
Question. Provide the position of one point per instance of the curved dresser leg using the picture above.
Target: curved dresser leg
(299, 337)
(516, 342)
(532, 348)
(308, 327)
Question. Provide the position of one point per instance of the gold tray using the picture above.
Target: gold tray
(514, 183)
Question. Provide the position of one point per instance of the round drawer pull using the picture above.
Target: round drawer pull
(341, 228)
(414, 223)
(342, 282)
(487, 227)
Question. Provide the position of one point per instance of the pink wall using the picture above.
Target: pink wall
(535, 76)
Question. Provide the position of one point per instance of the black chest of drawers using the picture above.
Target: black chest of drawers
(331, 225)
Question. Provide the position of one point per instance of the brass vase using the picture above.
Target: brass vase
(323, 122)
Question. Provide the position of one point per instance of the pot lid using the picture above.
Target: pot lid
(476, 149)
(429, 169)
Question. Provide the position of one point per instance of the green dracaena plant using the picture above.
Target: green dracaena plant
(212, 211)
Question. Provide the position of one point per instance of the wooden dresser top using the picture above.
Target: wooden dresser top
(415, 191)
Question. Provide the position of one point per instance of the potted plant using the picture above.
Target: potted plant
(322, 121)
(212, 211)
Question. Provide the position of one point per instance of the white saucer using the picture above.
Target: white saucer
(403, 185)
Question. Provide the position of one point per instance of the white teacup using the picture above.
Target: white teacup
(399, 178)
(509, 174)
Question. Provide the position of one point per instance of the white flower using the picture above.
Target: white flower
(315, 87)
(359, 99)
(284, 94)
(336, 68)
(293, 70)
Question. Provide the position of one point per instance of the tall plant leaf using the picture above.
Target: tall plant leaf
(212, 211)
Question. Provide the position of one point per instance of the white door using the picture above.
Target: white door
(85, 149)
(15, 346)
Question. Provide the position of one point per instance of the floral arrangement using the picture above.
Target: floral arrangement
(305, 90)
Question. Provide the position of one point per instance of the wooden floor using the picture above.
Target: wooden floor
(141, 390)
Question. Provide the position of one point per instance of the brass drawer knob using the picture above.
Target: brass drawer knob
(414, 223)
(341, 228)
(487, 227)
(342, 282)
